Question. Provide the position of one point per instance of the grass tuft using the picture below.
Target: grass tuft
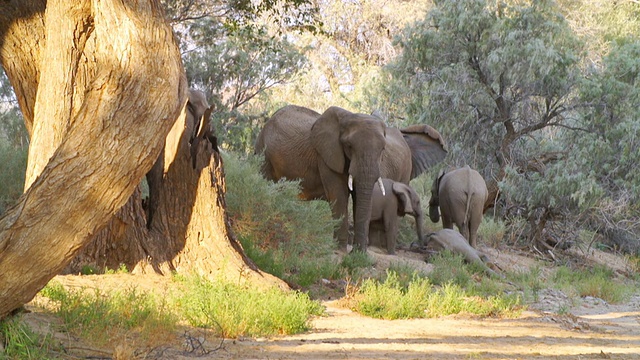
(146, 320)
(419, 298)
(596, 282)
(492, 231)
(106, 317)
(354, 261)
(232, 310)
(450, 268)
(20, 342)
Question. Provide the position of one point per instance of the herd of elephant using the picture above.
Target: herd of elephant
(338, 154)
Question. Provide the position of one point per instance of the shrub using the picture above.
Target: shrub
(105, 317)
(492, 231)
(449, 268)
(231, 310)
(356, 260)
(13, 165)
(391, 299)
(287, 237)
(596, 282)
(228, 310)
(20, 342)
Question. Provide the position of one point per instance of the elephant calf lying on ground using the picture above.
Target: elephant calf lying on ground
(399, 200)
(456, 243)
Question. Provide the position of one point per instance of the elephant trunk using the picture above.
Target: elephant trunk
(364, 182)
(434, 211)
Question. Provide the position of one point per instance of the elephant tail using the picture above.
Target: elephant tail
(466, 210)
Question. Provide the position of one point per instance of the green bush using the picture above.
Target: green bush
(105, 317)
(405, 273)
(354, 261)
(596, 282)
(20, 342)
(283, 235)
(232, 310)
(492, 231)
(450, 268)
(418, 298)
(228, 310)
(391, 300)
(13, 165)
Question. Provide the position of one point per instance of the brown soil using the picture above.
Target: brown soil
(589, 328)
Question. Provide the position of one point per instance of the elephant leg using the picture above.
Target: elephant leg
(464, 230)
(339, 211)
(391, 233)
(473, 236)
(474, 224)
(447, 223)
(376, 233)
(336, 193)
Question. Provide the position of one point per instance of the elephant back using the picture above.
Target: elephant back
(462, 182)
(285, 140)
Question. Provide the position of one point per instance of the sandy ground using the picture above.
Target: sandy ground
(611, 333)
(588, 328)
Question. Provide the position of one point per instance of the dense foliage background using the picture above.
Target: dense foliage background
(542, 97)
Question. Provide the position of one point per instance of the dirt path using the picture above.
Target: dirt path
(611, 334)
(590, 329)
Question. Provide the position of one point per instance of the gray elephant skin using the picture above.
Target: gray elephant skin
(326, 150)
(454, 241)
(460, 194)
(400, 200)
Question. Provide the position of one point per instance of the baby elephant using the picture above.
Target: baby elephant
(453, 241)
(399, 200)
(461, 195)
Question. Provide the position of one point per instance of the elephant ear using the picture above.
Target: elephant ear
(204, 122)
(404, 198)
(427, 147)
(197, 106)
(325, 138)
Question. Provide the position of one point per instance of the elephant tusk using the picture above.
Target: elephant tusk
(381, 186)
(350, 183)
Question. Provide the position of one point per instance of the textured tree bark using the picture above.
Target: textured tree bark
(190, 231)
(100, 84)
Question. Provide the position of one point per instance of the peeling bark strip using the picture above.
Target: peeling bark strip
(66, 35)
(103, 154)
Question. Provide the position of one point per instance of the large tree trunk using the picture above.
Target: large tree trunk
(100, 84)
(189, 231)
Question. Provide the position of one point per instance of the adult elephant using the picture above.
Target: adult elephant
(400, 200)
(339, 152)
(460, 194)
